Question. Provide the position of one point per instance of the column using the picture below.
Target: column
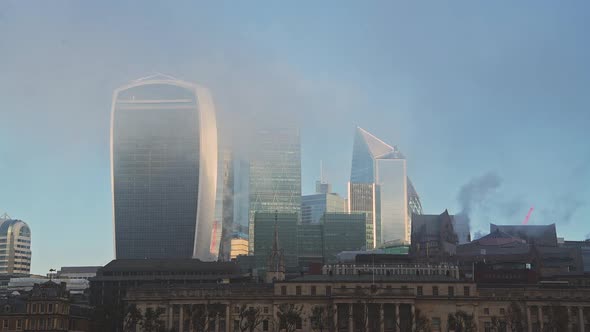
(335, 317)
(170, 323)
(413, 317)
(181, 319)
(397, 320)
(540, 311)
(217, 323)
(366, 314)
(569, 318)
(382, 318)
(227, 317)
(581, 318)
(528, 319)
(350, 321)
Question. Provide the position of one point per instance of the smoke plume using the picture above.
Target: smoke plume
(476, 191)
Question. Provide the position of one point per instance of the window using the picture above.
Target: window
(236, 310)
(313, 290)
(435, 324)
(5, 323)
(502, 311)
(283, 290)
(487, 327)
(297, 290)
(265, 325)
(328, 290)
(486, 311)
(420, 291)
(265, 310)
(451, 291)
(466, 290)
(236, 325)
(35, 308)
(19, 324)
(435, 290)
(50, 308)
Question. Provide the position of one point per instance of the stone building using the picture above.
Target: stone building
(367, 303)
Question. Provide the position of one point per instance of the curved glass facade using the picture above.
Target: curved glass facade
(164, 169)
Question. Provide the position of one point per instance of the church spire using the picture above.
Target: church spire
(276, 261)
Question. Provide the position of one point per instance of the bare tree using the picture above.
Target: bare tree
(250, 318)
(516, 320)
(322, 318)
(461, 322)
(417, 323)
(557, 318)
(498, 324)
(151, 320)
(133, 317)
(289, 317)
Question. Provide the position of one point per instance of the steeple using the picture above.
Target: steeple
(276, 261)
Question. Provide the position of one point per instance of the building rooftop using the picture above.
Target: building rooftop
(79, 269)
(541, 235)
(172, 265)
(377, 278)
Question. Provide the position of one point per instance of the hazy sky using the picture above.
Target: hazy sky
(495, 94)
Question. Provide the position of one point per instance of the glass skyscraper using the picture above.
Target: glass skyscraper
(275, 174)
(164, 169)
(376, 163)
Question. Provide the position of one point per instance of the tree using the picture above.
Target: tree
(557, 318)
(498, 325)
(515, 317)
(421, 323)
(151, 320)
(289, 316)
(322, 318)
(133, 317)
(198, 317)
(250, 318)
(461, 322)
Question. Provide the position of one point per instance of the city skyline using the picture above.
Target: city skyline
(496, 92)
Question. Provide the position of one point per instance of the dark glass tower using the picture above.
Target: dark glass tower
(164, 169)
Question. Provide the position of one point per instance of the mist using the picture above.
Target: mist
(494, 90)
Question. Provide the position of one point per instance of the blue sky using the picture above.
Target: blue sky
(464, 88)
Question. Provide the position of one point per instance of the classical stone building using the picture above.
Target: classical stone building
(367, 303)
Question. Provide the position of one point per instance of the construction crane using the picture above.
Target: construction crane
(528, 216)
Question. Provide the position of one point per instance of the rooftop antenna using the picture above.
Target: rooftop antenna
(321, 171)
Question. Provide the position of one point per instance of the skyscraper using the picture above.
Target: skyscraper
(314, 206)
(164, 169)
(15, 245)
(377, 163)
(275, 174)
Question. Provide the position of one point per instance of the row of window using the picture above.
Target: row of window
(419, 290)
(41, 308)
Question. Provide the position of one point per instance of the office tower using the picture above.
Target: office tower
(342, 232)
(310, 243)
(164, 169)
(314, 206)
(239, 245)
(15, 244)
(264, 236)
(224, 206)
(322, 187)
(377, 163)
(361, 199)
(275, 174)
(241, 192)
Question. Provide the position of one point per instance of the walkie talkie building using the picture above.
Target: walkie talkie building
(164, 169)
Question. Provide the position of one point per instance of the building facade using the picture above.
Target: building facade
(15, 247)
(287, 224)
(164, 169)
(275, 174)
(342, 232)
(361, 199)
(239, 245)
(314, 206)
(377, 163)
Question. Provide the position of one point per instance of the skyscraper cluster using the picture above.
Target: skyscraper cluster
(177, 193)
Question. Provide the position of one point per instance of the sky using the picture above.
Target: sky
(489, 101)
